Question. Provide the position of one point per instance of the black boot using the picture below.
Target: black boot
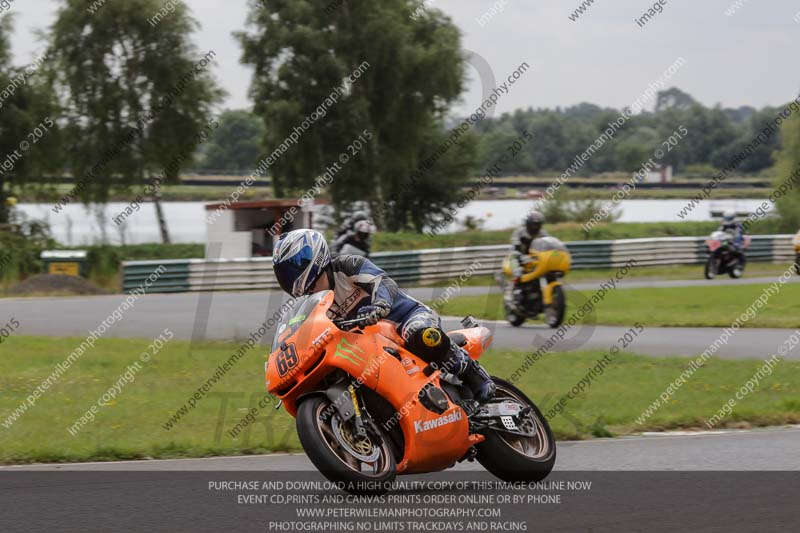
(478, 381)
(471, 373)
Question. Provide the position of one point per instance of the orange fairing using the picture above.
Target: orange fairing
(302, 359)
(478, 339)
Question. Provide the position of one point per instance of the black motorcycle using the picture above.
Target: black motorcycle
(723, 256)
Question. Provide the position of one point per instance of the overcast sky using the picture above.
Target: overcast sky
(604, 57)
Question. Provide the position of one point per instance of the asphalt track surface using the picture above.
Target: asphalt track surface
(720, 481)
(234, 315)
(771, 449)
(733, 479)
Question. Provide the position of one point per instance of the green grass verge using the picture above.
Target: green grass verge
(131, 425)
(214, 193)
(676, 272)
(708, 306)
(671, 272)
(566, 231)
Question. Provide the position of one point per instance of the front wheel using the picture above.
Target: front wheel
(737, 270)
(711, 268)
(554, 313)
(360, 463)
(517, 458)
(514, 317)
(512, 307)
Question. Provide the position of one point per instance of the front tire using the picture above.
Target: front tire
(711, 268)
(512, 458)
(360, 464)
(554, 314)
(737, 271)
(511, 306)
(515, 318)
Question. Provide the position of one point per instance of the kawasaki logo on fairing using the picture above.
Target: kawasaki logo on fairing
(419, 427)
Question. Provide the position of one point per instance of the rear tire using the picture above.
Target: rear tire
(554, 314)
(318, 438)
(504, 455)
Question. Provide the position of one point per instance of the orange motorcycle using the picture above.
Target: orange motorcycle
(367, 409)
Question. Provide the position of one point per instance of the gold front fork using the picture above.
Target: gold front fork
(547, 292)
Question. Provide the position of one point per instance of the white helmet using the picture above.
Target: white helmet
(729, 215)
(299, 259)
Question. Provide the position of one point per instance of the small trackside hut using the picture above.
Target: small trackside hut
(249, 229)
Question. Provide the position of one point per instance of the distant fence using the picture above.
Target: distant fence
(421, 266)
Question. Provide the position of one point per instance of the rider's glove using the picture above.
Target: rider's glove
(526, 262)
(371, 314)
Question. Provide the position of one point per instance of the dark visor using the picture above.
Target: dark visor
(289, 270)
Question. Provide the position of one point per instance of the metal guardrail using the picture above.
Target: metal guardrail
(429, 265)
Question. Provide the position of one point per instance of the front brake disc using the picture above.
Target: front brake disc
(362, 448)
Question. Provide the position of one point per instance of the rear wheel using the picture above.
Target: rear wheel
(554, 313)
(517, 458)
(362, 464)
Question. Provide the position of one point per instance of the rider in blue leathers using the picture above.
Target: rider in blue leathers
(303, 265)
(735, 228)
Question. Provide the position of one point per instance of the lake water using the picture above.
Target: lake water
(77, 225)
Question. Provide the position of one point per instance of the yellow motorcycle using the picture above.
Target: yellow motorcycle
(797, 252)
(523, 296)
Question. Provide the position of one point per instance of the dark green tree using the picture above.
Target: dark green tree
(495, 143)
(764, 154)
(6, 29)
(550, 136)
(29, 135)
(428, 200)
(236, 144)
(412, 69)
(673, 98)
(635, 149)
(788, 167)
(136, 94)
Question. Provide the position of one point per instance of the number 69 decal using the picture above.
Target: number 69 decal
(287, 359)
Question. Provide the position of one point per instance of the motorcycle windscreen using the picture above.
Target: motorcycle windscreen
(349, 249)
(295, 315)
(546, 244)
